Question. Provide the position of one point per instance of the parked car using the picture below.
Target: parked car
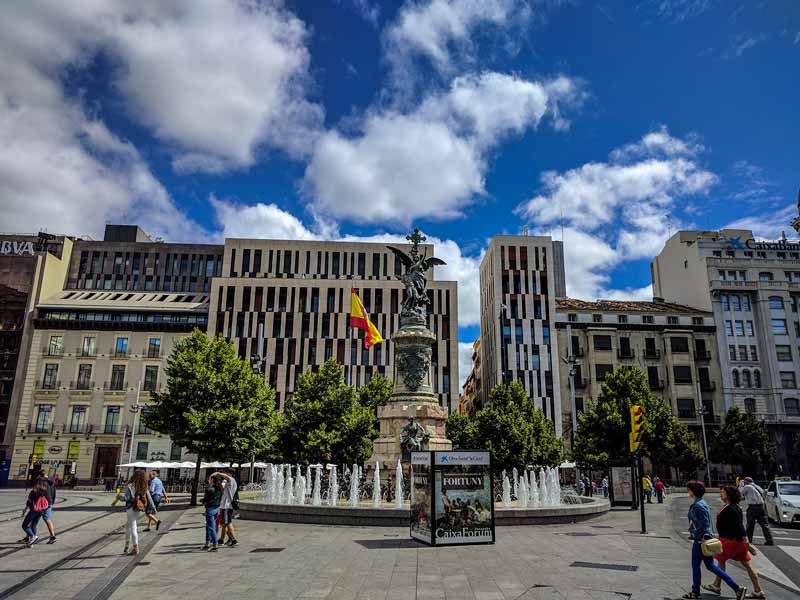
(783, 501)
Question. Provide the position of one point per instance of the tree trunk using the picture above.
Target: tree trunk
(195, 482)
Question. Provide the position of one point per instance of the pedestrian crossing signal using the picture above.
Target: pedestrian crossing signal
(638, 427)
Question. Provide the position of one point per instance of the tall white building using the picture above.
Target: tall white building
(520, 278)
(753, 290)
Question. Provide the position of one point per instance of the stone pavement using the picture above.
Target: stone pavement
(288, 561)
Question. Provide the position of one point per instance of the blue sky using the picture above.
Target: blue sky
(610, 123)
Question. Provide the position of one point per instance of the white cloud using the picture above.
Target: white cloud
(60, 169)
(441, 31)
(368, 11)
(619, 210)
(642, 293)
(430, 162)
(270, 221)
(768, 225)
(464, 362)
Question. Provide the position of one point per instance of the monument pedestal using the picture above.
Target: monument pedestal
(413, 396)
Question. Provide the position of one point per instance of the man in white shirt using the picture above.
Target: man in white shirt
(756, 512)
(226, 507)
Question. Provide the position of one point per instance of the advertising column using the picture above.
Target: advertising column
(421, 500)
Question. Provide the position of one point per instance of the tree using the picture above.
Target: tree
(215, 406)
(375, 393)
(516, 433)
(603, 430)
(325, 421)
(743, 440)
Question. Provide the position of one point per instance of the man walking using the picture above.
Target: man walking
(156, 488)
(659, 490)
(229, 502)
(756, 513)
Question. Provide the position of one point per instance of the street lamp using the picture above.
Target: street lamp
(701, 414)
(135, 408)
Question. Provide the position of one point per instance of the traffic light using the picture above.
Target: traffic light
(638, 427)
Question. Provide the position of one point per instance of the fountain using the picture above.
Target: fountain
(506, 491)
(308, 481)
(376, 486)
(515, 482)
(398, 492)
(523, 493)
(354, 487)
(316, 499)
(333, 487)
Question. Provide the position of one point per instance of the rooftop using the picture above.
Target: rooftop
(627, 306)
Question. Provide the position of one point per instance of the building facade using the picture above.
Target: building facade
(298, 293)
(674, 345)
(753, 289)
(472, 385)
(520, 278)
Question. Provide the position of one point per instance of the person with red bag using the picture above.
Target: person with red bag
(35, 507)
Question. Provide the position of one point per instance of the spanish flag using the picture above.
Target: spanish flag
(360, 320)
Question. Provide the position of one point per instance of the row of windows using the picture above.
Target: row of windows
(518, 333)
(125, 317)
(735, 302)
(77, 422)
(743, 328)
(55, 346)
(759, 254)
(523, 282)
(84, 381)
(677, 344)
(149, 283)
(134, 263)
(647, 319)
(682, 375)
(742, 378)
(522, 251)
(740, 275)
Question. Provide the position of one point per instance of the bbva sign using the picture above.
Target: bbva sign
(19, 248)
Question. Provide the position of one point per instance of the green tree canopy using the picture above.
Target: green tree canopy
(515, 432)
(743, 440)
(603, 429)
(325, 421)
(213, 404)
(375, 393)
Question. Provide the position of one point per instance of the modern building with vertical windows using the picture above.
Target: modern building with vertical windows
(753, 289)
(298, 293)
(520, 278)
(674, 345)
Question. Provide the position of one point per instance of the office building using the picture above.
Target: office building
(520, 278)
(674, 345)
(752, 287)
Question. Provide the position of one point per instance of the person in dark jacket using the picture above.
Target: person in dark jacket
(735, 545)
(47, 516)
(700, 530)
(35, 507)
(211, 501)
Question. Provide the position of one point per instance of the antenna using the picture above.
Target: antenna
(525, 230)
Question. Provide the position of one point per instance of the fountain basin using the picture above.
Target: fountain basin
(388, 516)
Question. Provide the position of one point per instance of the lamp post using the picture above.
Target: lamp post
(135, 408)
(701, 414)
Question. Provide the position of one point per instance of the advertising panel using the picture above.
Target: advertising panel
(621, 484)
(73, 451)
(421, 504)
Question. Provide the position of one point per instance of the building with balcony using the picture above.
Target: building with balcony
(674, 345)
(753, 288)
(520, 278)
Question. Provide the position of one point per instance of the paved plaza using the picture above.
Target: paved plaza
(605, 558)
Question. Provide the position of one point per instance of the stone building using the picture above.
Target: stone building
(299, 293)
(753, 288)
(520, 278)
(471, 389)
(674, 345)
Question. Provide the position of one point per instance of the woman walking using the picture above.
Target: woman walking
(36, 506)
(137, 501)
(211, 500)
(733, 536)
(700, 530)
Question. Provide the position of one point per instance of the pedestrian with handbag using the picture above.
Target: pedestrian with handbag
(137, 501)
(700, 533)
(35, 507)
(756, 511)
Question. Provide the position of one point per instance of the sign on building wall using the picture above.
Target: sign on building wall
(16, 247)
(73, 450)
(459, 499)
(38, 450)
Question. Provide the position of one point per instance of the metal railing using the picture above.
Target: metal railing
(48, 351)
(151, 352)
(39, 428)
(85, 352)
(81, 385)
(626, 354)
(79, 428)
(117, 353)
(702, 355)
(48, 385)
(708, 386)
(114, 386)
(652, 354)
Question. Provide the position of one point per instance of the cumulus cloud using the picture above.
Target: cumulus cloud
(270, 221)
(767, 225)
(429, 162)
(60, 169)
(618, 210)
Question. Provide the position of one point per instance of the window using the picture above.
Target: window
(117, 377)
(697, 320)
(518, 333)
(776, 302)
(739, 327)
(175, 452)
(726, 302)
(735, 377)
(732, 351)
(788, 380)
(784, 352)
(112, 419)
(753, 353)
(153, 347)
(779, 326)
(736, 303)
(77, 421)
(141, 427)
(84, 377)
(121, 348)
(141, 450)
(650, 348)
(572, 318)
(597, 318)
(43, 418)
(746, 381)
(792, 407)
(686, 408)
(56, 345)
(750, 406)
(679, 344)
(765, 276)
(652, 377)
(682, 374)
(672, 320)
(625, 348)
(50, 373)
(648, 319)
(150, 378)
(717, 253)
(742, 352)
(756, 378)
(729, 327)
(89, 346)
(622, 318)
(601, 371)
(746, 303)
(748, 328)
(602, 342)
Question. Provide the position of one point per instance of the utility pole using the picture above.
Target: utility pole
(701, 415)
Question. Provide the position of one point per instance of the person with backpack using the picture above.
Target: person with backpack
(228, 504)
(36, 505)
(47, 516)
(137, 501)
(211, 502)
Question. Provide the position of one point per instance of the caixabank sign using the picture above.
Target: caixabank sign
(451, 497)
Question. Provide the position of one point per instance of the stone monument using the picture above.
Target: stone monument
(412, 419)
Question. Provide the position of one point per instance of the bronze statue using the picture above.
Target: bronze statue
(414, 437)
(796, 220)
(415, 265)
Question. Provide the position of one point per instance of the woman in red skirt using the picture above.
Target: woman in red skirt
(733, 536)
